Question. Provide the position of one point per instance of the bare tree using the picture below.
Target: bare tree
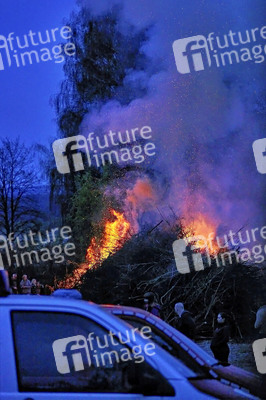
(18, 180)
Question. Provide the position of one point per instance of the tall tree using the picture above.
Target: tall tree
(96, 73)
(106, 51)
(18, 179)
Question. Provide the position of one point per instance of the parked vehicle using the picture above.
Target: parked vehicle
(55, 348)
(45, 354)
(188, 351)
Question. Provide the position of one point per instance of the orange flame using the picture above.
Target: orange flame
(203, 226)
(140, 198)
(116, 233)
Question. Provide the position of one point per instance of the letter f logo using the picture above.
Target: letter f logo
(71, 354)
(259, 149)
(259, 350)
(4, 245)
(185, 257)
(4, 46)
(191, 54)
(69, 154)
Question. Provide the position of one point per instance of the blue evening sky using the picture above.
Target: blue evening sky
(203, 123)
(25, 94)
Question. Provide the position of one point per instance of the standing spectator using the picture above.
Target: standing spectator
(33, 286)
(150, 305)
(25, 285)
(185, 323)
(221, 336)
(260, 323)
(14, 284)
(47, 290)
(260, 326)
(39, 288)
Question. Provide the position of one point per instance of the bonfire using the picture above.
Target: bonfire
(115, 234)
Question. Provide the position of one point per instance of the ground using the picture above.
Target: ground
(241, 354)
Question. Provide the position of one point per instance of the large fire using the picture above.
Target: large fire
(203, 226)
(115, 234)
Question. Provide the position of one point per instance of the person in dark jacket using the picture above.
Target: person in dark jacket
(14, 284)
(185, 322)
(39, 288)
(219, 344)
(33, 286)
(150, 305)
(260, 323)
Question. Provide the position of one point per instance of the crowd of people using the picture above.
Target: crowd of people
(185, 323)
(25, 286)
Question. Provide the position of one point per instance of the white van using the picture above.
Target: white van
(66, 349)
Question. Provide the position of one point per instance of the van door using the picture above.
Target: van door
(67, 356)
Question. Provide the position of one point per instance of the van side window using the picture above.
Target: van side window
(60, 352)
(195, 369)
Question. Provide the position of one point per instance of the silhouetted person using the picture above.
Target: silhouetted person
(39, 288)
(150, 305)
(33, 286)
(219, 344)
(185, 322)
(25, 285)
(260, 326)
(14, 284)
(260, 323)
